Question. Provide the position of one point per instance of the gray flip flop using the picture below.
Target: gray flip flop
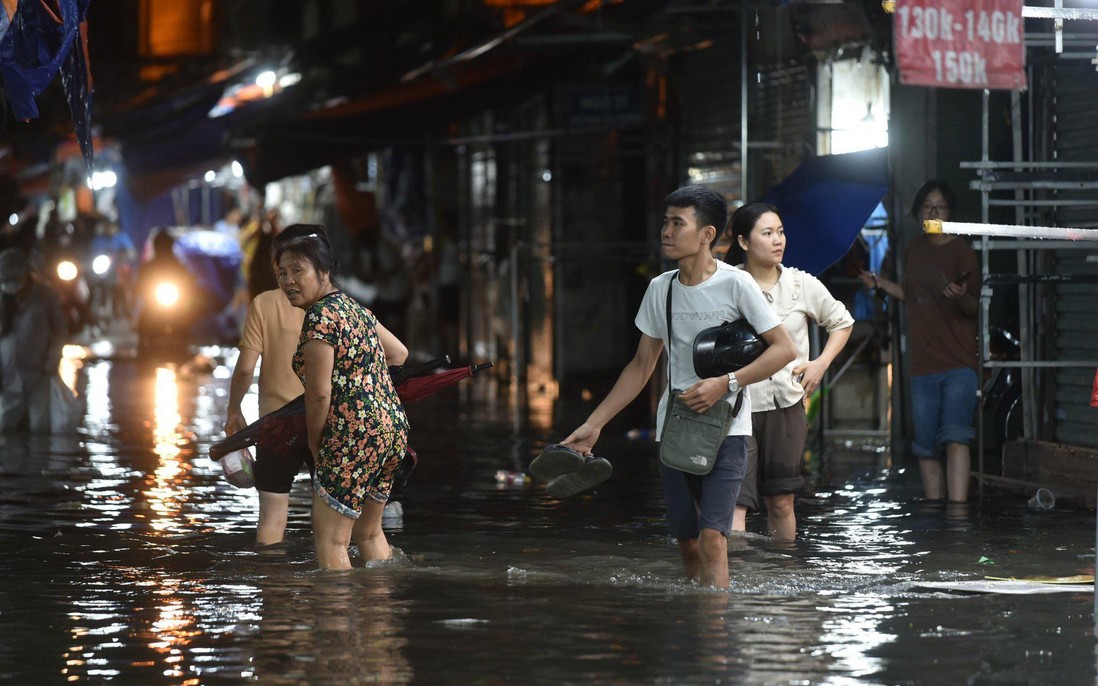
(555, 461)
(595, 470)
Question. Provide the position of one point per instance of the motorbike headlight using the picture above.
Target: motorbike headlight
(66, 270)
(101, 264)
(166, 294)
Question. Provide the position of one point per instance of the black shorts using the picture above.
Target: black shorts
(775, 454)
(275, 469)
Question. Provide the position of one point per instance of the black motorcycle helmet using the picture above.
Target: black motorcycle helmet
(729, 347)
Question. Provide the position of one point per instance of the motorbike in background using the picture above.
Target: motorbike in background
(101, 281)
(185, 292)
(166, 314)
(1003, 404)
(67, 278)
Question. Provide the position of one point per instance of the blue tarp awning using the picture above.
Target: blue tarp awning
(825, 202)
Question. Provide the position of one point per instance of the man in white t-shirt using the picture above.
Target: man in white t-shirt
(706, 293)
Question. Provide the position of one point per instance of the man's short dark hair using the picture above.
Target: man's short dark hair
(709, 207)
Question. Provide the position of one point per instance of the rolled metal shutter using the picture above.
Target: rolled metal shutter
(1075, 332)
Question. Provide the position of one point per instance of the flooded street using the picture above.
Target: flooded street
(128, 559)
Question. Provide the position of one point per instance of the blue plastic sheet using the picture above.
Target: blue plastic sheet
(214, 259)
(825, 202)
(44, 38)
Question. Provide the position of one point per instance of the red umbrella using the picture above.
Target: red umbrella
(281, 429)
(420, 387)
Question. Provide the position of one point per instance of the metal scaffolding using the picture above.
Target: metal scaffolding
(1030, 182)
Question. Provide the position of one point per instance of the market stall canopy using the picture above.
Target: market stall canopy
(399, 115)
(169, 137)
(470, 73)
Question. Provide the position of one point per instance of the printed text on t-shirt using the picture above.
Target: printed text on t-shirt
(697, 316)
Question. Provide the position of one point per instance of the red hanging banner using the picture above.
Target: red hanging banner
(960, 43)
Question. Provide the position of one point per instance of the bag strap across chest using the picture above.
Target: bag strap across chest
(670, 287)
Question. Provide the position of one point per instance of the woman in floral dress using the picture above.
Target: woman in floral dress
(356, 424)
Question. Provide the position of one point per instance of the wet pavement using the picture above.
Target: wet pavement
(128, 559)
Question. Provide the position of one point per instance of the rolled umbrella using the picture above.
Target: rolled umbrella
(279, 429)
(282, 429)
(400, 373)
(419, 387)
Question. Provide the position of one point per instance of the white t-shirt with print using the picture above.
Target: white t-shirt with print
(729, 294)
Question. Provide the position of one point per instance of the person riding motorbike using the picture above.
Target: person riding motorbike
(111, 257)
(166, 298)
(63, 265)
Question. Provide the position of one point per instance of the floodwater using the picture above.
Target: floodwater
(127, 559)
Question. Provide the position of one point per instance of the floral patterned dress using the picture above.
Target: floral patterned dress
(366, 432)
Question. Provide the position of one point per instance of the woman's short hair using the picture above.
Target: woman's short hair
(308, 240)
(925, 189)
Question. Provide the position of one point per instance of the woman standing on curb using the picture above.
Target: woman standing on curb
(356, 424)
(779, 424)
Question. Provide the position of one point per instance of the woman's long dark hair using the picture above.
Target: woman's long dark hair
(743, 220)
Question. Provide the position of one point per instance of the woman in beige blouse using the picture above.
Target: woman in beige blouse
(779, 425)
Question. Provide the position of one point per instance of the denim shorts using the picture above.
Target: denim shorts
(943, 406)
(705, 502)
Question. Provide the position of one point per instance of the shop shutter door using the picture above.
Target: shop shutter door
(1075, 334)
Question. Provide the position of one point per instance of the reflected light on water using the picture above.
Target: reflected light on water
(94, 653)
(165, 497)
(131, 565)
(855, 632)
(97, 397)
(173, 628)
(106, 487)
(72, 359)
(540, 409)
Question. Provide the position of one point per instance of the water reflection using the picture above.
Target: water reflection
(72, 360)
(98, 418)
(332, 628)
(779, 638)
(172, 629)
(852, 631)
(159, 639)
(140, 560)
(167, 495)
